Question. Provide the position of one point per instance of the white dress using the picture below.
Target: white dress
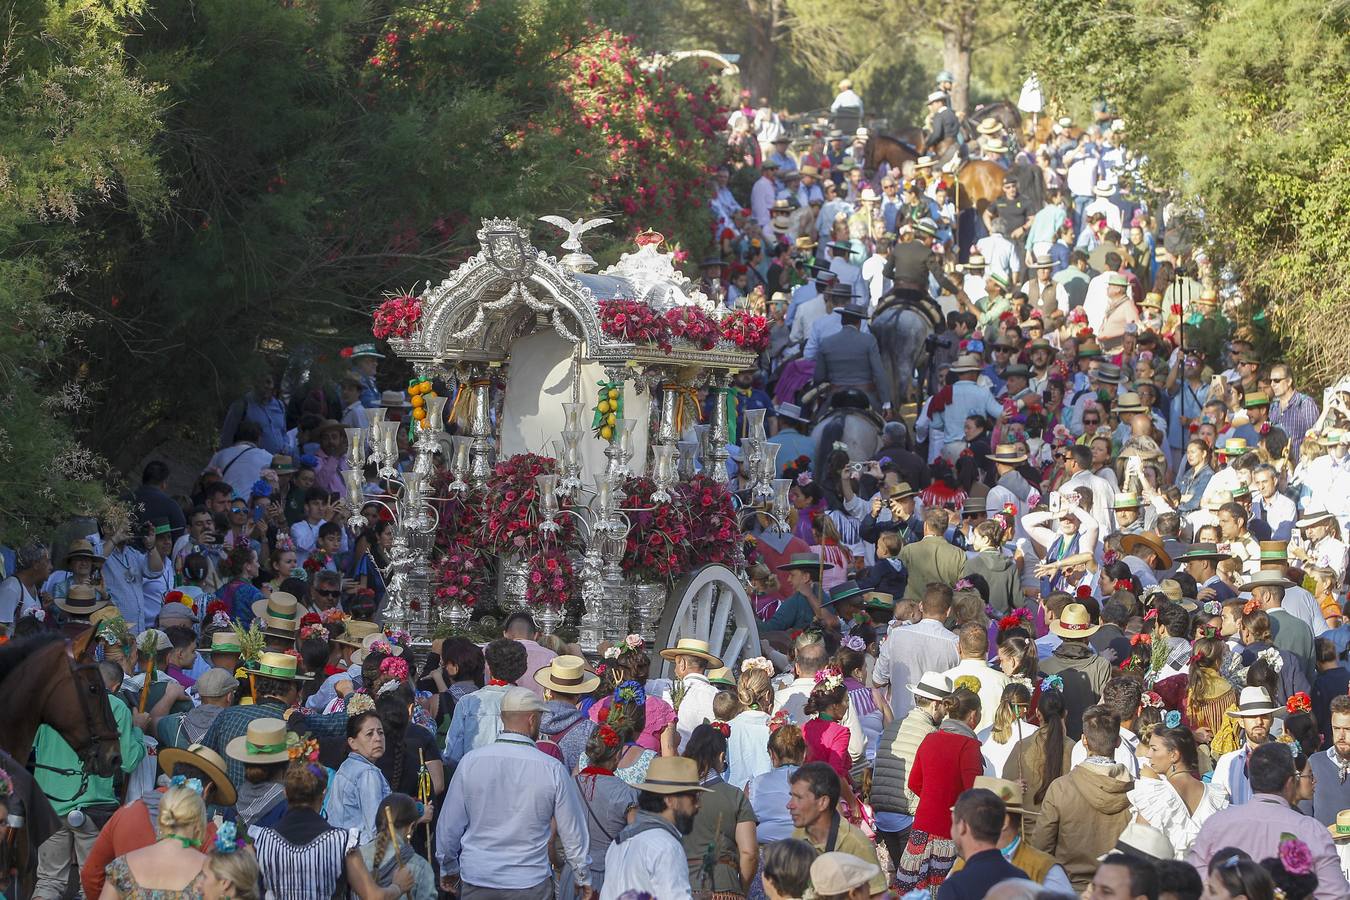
(1162, 807)
(995, 753)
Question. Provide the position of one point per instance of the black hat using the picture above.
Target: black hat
(837, 290)
(854, 310)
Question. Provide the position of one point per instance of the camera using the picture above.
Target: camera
(933, 342)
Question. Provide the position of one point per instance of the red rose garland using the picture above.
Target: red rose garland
(397, 317)
(746, 330)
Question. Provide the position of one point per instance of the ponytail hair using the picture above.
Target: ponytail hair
(1051, 737)
(754, 690)
(825, 695)
(183, 812)
(960, 704)
(403, 810)
(1014, 704)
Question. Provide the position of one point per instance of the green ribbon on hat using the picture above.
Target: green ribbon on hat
(226, 648)
(264, 669)
(253, 748)
(275, 613)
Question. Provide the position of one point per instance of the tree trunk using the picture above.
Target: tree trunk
(956, 59)
(759, 65)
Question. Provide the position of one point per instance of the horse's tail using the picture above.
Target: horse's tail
(833, 431)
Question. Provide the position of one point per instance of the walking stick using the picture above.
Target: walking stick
(424, 792)
(147, 648)
(393, 837)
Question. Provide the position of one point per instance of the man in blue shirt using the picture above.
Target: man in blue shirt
(365, 364)
(793, 438)
(262, 407)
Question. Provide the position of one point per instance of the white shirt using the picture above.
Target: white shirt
(696, 707)
(1001, 256)
(847, 98)
(1095, 302)
(1103, 205)
(1126, 752)
(652, 862)
(507, 795)
(306, 538)
(907, 653)
(240, 466)
(823, 327)
(123, 574)
(354, 416)
(1103, 496)
(877, 284)
(15, 600)
(849, 274)
(992, 682)
(1229, 775)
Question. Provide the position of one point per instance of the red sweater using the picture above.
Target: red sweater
(827, 742)
(945, 765)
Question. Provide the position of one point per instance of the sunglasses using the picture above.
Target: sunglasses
(238, 509)
(322, 593)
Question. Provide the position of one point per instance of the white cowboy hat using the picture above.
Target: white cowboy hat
(932, 686)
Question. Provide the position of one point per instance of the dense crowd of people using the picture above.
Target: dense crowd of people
(1076, 628)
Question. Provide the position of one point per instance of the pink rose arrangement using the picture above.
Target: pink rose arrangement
(746, 330)
(550, 579)
(655, 549)
(689, 323)
(713, 530)
(398, 316)
(635, 322)
(511, 508)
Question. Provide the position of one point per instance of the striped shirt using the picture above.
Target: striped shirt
(303, 857)
(1295, 417)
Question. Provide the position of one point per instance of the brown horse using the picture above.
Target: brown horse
(978, 184)
(40, 683)
(882, 148)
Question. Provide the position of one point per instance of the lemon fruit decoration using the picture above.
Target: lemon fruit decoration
(608, 409)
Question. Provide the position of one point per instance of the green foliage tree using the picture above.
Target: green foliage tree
(76, 135)
(1235, 106)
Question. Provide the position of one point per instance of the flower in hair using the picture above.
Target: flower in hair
(969, 682)
(1152, 699)
(827, 673)
(313, 633)
(634, 642)
(226, 841)
(1172, 719)
(380, 645)
(389, 686)
(853, 642)
(307, 749)
(721, 728)
(612, 652)
(1141, 638)
(963, 584)
(803, 479)
(778, 720)
(1052, 682)
(601, 669)
(1297, 703)
(399, 636)
(758, 662)
(1251, 606)
(192, 784)
(395, 666)
(630, 692)
(1211, 607)
(609, 736)
(1083, 592)
(1272, 658)
(359, 704)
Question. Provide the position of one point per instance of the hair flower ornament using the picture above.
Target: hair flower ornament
(803, 479)
(1172, 719)
(1052, 683)
(634, 642)
(853, 642)
(630, 692)
(313, 633)
(193, 784)
(778, 720)
(395, 666)
(227, 839)
(1272, 658)
(721, 728)
(307, 749)
(827, 673)
(1251, 606)
(359, 705)
(1298, 703)
(758, 662)
(1152, 699)
(609, 736)
(612, 652)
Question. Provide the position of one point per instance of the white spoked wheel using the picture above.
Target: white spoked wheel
(710, 604)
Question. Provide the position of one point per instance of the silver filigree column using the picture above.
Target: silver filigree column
(715, 462)
(480, 429)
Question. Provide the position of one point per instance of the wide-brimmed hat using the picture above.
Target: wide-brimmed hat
(1104, 189)
(809, 169)
(264, 742)
(1274, 552)
(225, 641)
(81, 549)
(1234, 446)
(1203, 550)
(394, 400)
(1254, 701)
(1152, 300)
(370, 640)
(1017, 370)
(82, 600)
(989, 125)
(355, 631)
(721, 675)
(1074, 622)
(692, 647)
(974, 506)
(925, 162)
(1109, 373)
(1005, 790)
(854, 311)
(808, 561)
(790, 411)
(283, 629)
(671, 775)
(994, 145)
(926, 226)
(208, 762)
(869, 196)
(1216, 500)
(1089, 349)
(932, 686)
(1043, 261)
(361, 350)
(1125, 500)
(280, 605)
(842, 591)
(1041, 343)
(805, 242)
(1255, 398)
(1143, 841)
(935, 96)
(839, 293)
(901, 491)
(1266, 578)
(1129, 402)
(837, 872)
(967, 362)
(279, 665)
(1313, 517)
(567, 675)
(1340, 829)
(1150, 541)
(1007, 453)
(879, 600)
(974, 264)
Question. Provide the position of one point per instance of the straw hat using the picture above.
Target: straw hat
(264, 742)
(567, 675)
(974, 264)
(901, 491)
(1074, 622)
(82, 600)
(1340, 829)
(368, 644)
(1007, 454)
(1235, 446)
(1313, 517)
(1266, 578)
(1143, 841)
(211, 764)
(1104, 189)
(355, 632)
(879, 600)
(1129, 402)
(1125, 500)
(1254, 701)
(81, 549)
(225, 642)
(989, 125)
(671, 775)
(1005, 790)
(932, 686)
(967, 362)
(721, 676)
(839, 873)
(280, 605)
(994, 145)
(692, 647)
(280, 665)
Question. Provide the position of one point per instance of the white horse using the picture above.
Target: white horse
(901, 331)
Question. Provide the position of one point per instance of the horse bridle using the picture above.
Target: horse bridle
(95, 715)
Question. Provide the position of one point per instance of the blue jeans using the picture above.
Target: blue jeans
(1079, 204)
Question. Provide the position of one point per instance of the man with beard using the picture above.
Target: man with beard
(812, 802)
(501, 809)
(1255, 712)
(647, 856)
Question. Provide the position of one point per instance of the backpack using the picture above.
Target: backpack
(552, 746)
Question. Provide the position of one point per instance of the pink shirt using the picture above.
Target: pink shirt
(1256, 826)
(536, 658)
(659, 714)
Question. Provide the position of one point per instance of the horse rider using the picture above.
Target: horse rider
(910, 266)
(945, 81)
(850, 359)
(943, 137)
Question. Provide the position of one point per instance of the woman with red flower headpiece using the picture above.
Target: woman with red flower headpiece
(610, 803)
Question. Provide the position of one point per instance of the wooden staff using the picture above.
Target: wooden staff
(424, 793)
(393, 837)
(149, 672)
